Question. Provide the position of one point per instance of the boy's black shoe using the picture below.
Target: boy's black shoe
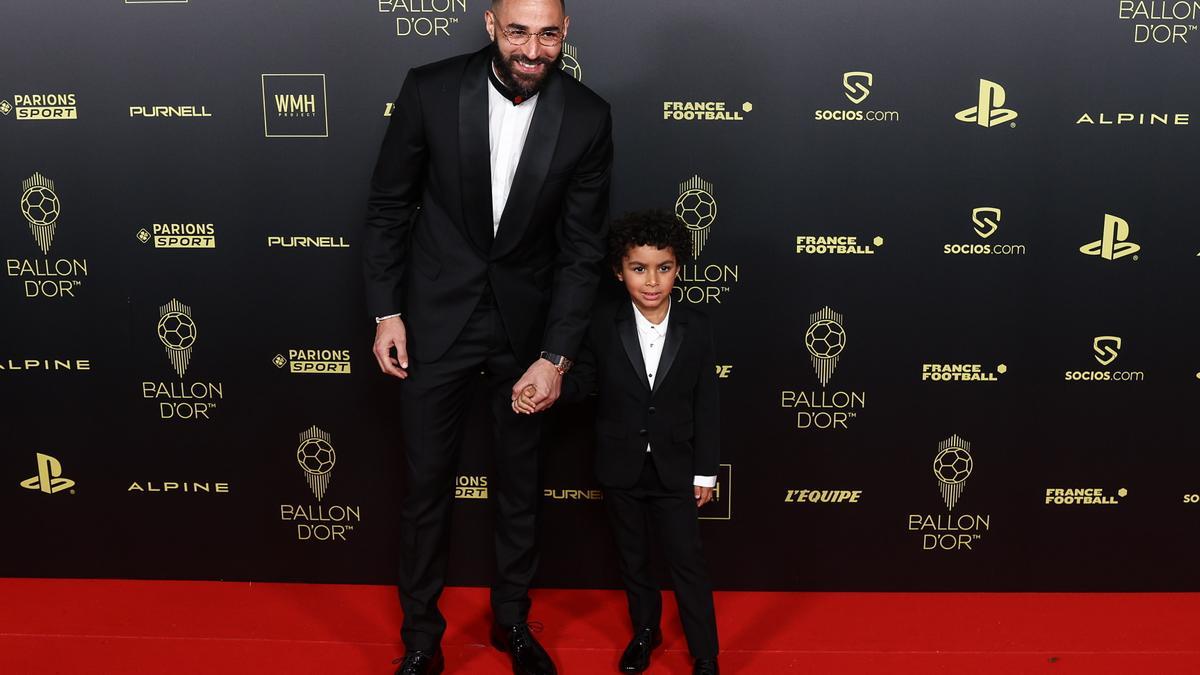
(637, 655)
(528, 657)
(706, 667)
(421, 662)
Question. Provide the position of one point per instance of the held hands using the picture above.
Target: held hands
(390, 333)
(703, 495)
(523, 404)
(537, 389)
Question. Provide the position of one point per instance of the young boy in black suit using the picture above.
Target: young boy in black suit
(652, 363)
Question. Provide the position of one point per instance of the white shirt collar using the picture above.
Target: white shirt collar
(644, 324)
(495, 97)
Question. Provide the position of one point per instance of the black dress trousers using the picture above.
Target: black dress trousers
(433, 405)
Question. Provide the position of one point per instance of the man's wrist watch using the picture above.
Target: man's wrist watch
(561, 363)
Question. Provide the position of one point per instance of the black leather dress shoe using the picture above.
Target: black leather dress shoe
(637, 655)
(706, 667)
(528, 657)
(419, 662)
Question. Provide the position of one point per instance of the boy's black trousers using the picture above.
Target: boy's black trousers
(649, 514)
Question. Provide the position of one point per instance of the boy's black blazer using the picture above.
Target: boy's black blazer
(680, 417)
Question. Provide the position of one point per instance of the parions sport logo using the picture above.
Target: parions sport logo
(179, 235)
(471, 487)
(701, 282)
(41, 107)
(825, 340)
(314, 361)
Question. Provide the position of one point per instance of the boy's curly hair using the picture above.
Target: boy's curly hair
(651, 227)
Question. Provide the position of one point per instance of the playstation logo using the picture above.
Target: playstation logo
(989, 112)
(1107, 347)
(986, 219)
(858, 85)
(49, 477)
(1113, 243)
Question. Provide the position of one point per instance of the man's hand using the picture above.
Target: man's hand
(703, 495)
(390, 333)
(544, 376)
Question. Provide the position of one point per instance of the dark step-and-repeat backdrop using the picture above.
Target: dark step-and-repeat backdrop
(950, 249)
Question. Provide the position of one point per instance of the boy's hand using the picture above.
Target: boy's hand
(523, 404)
(543, 375)
(703, 495)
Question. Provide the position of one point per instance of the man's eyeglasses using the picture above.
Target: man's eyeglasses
(547, 38)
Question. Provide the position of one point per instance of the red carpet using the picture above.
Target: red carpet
(84, 626)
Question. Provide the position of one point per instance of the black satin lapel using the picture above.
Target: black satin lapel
(474, 151)
(627, 329)
(676, 329)
(533, 165)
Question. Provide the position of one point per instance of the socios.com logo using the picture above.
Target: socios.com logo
(1107, 348)
(990, 110)
(858, 85)
(986, 219)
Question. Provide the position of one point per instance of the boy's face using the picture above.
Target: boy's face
(649, 276)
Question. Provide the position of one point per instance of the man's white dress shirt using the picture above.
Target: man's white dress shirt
(508, 125)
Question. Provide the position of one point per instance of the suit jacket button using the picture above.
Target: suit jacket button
(642, 432)
(652, 410)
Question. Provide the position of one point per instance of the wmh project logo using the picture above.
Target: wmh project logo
(294, 106)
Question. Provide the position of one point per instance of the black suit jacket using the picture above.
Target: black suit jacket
(680, 417)
(428, 248)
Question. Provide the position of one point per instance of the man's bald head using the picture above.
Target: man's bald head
(497, 3)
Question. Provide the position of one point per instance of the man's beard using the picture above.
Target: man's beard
(517, 82)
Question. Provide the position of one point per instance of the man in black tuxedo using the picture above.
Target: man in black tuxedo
(652, 363)
(484, 233)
